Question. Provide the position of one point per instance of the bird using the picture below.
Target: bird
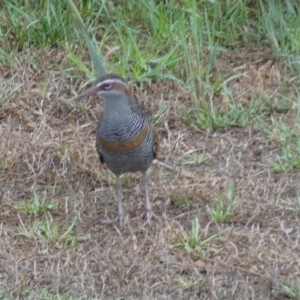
(126, 139)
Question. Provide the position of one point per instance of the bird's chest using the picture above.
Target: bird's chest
(114, 130)
(121, 136)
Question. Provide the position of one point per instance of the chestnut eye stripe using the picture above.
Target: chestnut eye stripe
(126, 146)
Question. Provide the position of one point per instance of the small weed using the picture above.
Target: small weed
(222, 214)
(288, 140)
(48, 230)
(192, 242)
(290, 206)
(161, 114)
(223, 210)
(124, 178)
(288, 159)
(4, 295)
(37, 206)
(110, 178)
(213, 120)
(24, 292)
(7, 90)
(46, 295)
(187, 283)
(194, 158)
(3, 164)
(182, 201)
(6, 58)
(291, 290)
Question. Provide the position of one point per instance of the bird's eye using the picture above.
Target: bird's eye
(106, 86)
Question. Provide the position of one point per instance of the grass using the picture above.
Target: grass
(182, 201)
(291, 290)
(45, 24)
(287, 137)
(37, 206)
(222, 80)
(193, 242)
(223, 209)
(7, 89)
(290, 205)
(47, 231)
(213, 120)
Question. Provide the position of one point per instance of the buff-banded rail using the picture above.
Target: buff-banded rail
(126, 138)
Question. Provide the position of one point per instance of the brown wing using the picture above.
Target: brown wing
(140, 108)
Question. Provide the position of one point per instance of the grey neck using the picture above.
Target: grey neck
(116, 110)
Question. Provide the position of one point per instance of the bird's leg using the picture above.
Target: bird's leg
(147, 201)
(120, 200)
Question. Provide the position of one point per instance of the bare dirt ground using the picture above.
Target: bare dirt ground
(47, 150)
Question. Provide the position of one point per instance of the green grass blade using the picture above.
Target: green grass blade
(96, 59)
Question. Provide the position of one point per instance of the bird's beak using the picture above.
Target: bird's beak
(92, 91)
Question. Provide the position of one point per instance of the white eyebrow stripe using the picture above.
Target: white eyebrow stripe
(111, 81)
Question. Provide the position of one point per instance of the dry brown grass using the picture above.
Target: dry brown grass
(48, 147)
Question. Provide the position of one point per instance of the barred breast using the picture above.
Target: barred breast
(127, 144)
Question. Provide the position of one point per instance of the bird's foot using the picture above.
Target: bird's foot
(148, 214)
(121, 218)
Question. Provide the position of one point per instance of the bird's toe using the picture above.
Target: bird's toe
(148, 214)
